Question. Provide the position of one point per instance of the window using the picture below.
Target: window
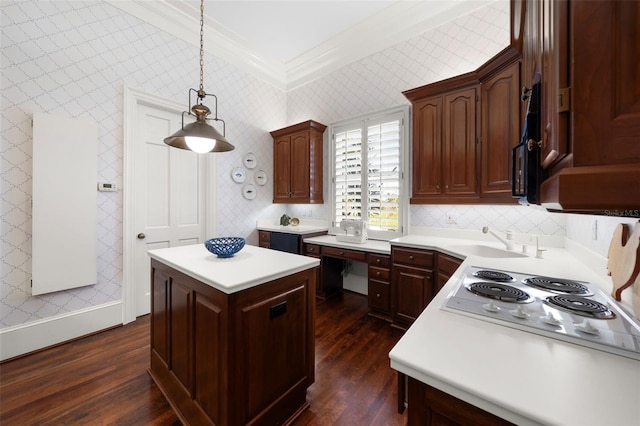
(367, 160)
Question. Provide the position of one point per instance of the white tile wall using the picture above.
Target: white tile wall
(74, 58)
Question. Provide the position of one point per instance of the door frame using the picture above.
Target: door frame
(133, 98)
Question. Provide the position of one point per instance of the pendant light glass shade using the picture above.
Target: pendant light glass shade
(199, 136)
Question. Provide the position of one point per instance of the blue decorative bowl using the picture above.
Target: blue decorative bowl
(224, 246)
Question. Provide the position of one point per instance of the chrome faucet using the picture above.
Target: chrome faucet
(508, 242)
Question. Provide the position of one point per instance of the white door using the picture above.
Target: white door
(169, 193)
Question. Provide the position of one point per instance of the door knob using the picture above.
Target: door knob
(141, 236)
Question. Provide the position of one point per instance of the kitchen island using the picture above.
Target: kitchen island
(461, 366)
(232, 339)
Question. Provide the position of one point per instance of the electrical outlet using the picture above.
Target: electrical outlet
(451, 218)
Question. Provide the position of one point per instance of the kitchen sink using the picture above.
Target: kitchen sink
(484, 251)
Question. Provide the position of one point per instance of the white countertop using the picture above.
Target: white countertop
(306, 226)
(523, 377)
(248, 268)
(371, 246)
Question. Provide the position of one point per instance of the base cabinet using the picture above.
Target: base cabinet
(379, 286)
(429, 406)
(412, 284)
(233, 359)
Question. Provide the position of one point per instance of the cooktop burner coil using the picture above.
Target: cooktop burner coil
(502, 292)
(493, 276)
(580, 306)
(558, 285)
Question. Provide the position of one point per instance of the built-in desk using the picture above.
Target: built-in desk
(333, 253)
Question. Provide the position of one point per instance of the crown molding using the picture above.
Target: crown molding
(398, 22)
(375, 34)
(218, 40)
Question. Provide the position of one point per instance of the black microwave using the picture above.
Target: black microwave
(525, 162)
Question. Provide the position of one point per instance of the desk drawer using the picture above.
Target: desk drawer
(413, 257)
(380, 274)
(312, 250)
(341, 253)
(379, 260)
(379, 296)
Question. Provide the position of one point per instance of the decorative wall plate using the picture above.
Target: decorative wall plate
(238, 175)
(260, 177)
(250, 161)
(249, 191)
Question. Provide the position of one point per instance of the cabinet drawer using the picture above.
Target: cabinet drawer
(447, 264)
(380, 260)
(414, 257)
(312, 250)
(379, 296)
(380, 274)
(341, 253)
(264, 236)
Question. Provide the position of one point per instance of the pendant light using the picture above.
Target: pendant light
(199, 136)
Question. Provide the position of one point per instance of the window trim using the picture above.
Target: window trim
(404, 114)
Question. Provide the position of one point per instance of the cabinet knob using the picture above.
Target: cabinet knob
(437, 186)
(378, 273)
(378, 295)
(410, 257)
(341, 253)
(141, 236)
(377, 260)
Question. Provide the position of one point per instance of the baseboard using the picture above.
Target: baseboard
(22, 339)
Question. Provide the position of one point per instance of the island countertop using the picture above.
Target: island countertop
(248, 268)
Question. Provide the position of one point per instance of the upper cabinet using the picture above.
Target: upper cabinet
(463, 131)
(444, 141)
(500, 125)
(591, 101)
(297, 163)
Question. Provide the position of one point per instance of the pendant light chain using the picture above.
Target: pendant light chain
(201, 93)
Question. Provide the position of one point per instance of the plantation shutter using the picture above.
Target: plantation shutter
(383, 176)
(367, 174)
(348, 175)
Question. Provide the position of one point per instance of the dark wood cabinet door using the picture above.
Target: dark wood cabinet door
(429, 406)
(412, 291)
(606, 82)
(531, 46)
(554, 78)
(500, 95)
(297, 163)
(459, 138)
(427, 147)
(602, 170)
(281, 168)
(209, 362)
(180, 334)
(300, 166)
(273, 347)
(160, 315)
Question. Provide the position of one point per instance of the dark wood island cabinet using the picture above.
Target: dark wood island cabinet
(244, 357)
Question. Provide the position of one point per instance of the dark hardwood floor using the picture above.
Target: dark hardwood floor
(103, 380)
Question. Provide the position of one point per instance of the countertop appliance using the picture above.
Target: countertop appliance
(573, 311)
(354, 231)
